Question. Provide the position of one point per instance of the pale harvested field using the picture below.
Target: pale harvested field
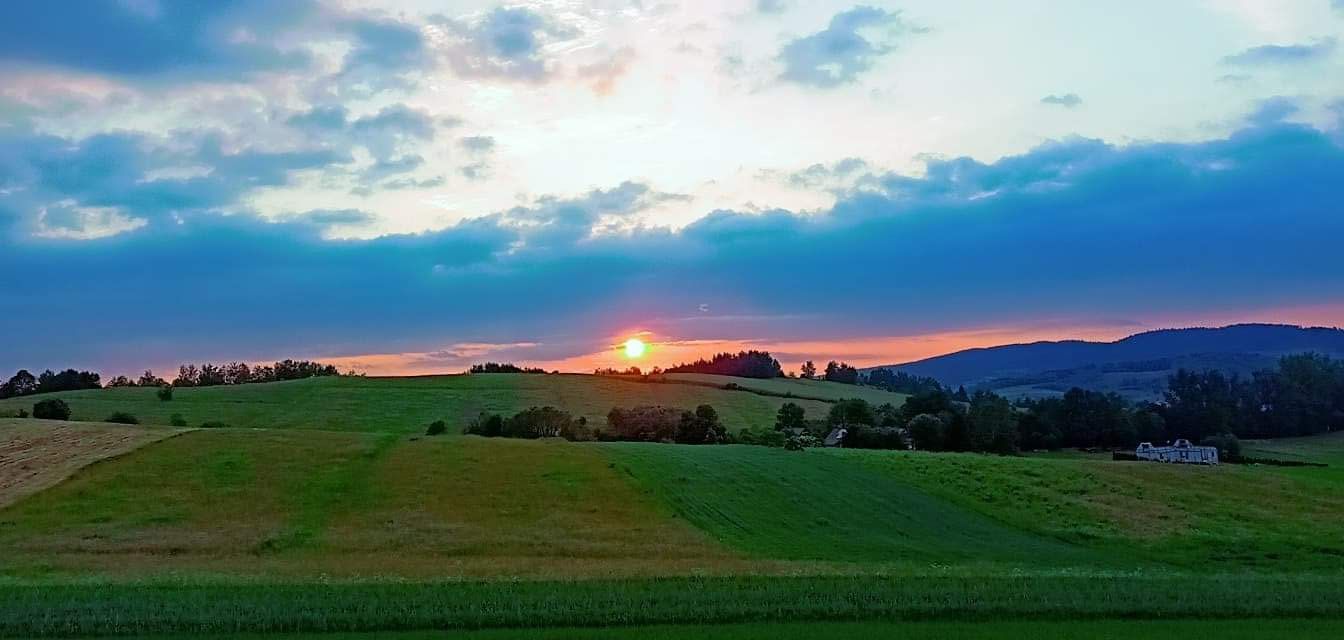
(37, 454)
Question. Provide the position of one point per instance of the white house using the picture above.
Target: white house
(1180, 451)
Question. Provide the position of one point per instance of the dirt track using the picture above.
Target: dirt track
(37, 454)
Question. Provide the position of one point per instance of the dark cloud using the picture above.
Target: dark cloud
(843, 51)
(337, 216)
(1073, 228)
(192, 41)
(1275, 54)
(1067, 100)
(390, 136)
(507, 42)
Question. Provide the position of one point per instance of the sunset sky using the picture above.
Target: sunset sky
(413, 186)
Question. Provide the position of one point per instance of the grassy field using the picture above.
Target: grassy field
(796, 387)
(1267, 629)
(84, 609)
(406, 405)
(265, 530)
(1233, 516)
(37, 454)
(810, 506)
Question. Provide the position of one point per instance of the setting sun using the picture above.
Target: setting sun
(634, 348)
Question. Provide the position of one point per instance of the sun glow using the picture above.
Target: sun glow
(635, 348)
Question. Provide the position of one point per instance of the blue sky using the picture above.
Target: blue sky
(415, 186)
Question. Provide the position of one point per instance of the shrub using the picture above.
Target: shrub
(438, 427)
(763, 438)
(165, 393)
(701, 427)
(489, 425)
(544, 422)
(177, 420)
(23, 413)
(121, 417)
(644, 424)
(800, 442)
(214, 424)
(51, 409)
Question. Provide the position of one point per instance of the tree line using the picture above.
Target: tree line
(638, 424)
(743, 364)
(25, 383)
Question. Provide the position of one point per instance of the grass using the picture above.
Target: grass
(37, 454)
(407, 405)
(99, 609)
(1231, 516)
(812, 506)
(1262, 629)
(797, 388)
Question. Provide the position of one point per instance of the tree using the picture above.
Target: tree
(148, 379)
(850, 412)
(701, 427)
(746, 364)
(841, 372)
(51, 409)
(992, 423)
(120, 381)
(809, 370)
(21, 384)
(790, 417)
(926, 432)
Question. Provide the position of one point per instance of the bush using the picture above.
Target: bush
(165, 393)
(489, 425)
(214, 424)
(544, 422)
(121, 417)
(769, 438)
(926, 432)
(436, 428)
(800, 442)
(644, 424)
(177, 420)
(51, 409)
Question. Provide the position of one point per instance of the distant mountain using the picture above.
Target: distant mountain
(1136, 367)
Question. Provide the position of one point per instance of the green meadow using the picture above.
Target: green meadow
(406, 405)
(323, 510)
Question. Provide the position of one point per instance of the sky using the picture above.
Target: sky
(412, 186)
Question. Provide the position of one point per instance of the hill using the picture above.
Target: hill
(406, 405)
(794, 388)
(1136, 366)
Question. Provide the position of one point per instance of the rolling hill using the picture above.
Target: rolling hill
(406, 405)
(1136, 366)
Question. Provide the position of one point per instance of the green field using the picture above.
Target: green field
(406, 405)
(796, 388)
(367, 526)
(1290, 629)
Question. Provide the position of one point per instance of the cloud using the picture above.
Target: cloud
(602, 75)
(411, 183)
(840, 53)
(1274, 54)
(507, 42)
(478, 144)
(1247, 221)
(772, 6)
(206, 41)
(1067, 100)
(475, 171)
(337, 216)
(826, 176)
(390, 136)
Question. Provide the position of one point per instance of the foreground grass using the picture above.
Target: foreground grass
(1271, 629)
(107, 609)
(407, 405)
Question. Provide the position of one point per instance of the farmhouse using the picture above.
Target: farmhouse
(1180, 451)
(836, 438)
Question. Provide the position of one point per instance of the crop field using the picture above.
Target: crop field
(406, 405)
(150, 531)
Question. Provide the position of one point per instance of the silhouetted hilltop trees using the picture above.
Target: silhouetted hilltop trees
(902, 382)
(212, 375)
(24, 383)
(503, 367)
(744, 364)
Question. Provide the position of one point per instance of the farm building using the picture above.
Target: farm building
(1180, 451)
(836, 438)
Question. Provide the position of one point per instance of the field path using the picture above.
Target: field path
(38, 454)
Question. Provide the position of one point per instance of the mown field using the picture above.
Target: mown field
(372, 528)
(406, 405)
